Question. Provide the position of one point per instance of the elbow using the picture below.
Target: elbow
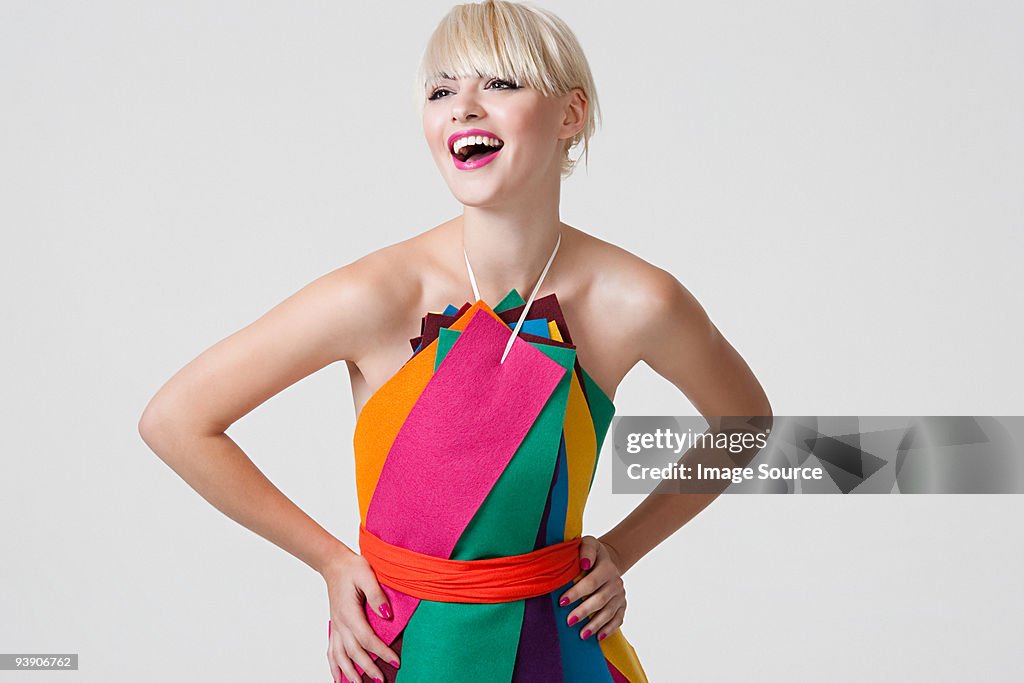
(157, 425)
(763, 407)
(762, 415)
(169, 425)
(151, 424)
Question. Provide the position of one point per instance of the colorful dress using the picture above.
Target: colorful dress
(467, 454)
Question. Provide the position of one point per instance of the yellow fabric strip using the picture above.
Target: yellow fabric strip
(580, 452)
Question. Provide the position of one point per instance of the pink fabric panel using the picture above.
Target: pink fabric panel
(617, 676)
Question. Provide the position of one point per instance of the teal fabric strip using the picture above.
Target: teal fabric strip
(602, 409)
(510, 300)
(582, 660)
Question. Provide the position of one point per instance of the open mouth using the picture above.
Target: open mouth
(474, 147)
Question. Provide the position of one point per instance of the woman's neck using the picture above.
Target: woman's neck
(508, 250)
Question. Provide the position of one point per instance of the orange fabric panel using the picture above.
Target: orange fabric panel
(382, 416)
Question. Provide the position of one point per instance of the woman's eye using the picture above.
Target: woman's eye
(508, 85)
(511, 85)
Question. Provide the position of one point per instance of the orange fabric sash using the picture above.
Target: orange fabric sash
(494, 579)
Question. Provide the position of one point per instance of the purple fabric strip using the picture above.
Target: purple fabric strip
(539, 657)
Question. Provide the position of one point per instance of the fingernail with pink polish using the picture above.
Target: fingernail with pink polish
(563, 602)
(600, 636)
(585, 563)
(385, 611)
(586, 632)
(394, 663)
(573, 619)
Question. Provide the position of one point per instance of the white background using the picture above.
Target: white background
(839, 184)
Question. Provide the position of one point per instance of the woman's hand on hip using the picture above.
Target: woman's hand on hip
(602, 590)
(351, 583)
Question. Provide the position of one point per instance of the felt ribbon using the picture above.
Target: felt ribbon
(494, 579)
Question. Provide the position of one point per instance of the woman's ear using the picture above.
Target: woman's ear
(575, 117)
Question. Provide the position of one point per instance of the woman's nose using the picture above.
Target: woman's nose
(464, 107)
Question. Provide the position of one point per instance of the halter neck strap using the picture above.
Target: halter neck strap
(526, 308)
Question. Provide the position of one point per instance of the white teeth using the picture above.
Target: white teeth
(475, 140)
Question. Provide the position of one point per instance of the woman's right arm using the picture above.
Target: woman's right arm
(185, 425)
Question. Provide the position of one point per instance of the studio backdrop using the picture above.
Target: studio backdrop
(838, 184)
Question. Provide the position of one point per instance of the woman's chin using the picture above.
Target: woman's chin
(484, 195)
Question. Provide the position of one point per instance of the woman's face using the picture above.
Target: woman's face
(527, 124)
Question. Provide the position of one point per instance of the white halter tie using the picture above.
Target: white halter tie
(526, 308)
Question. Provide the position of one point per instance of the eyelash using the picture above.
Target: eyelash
(512, 86)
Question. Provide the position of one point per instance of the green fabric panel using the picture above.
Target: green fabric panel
(445, 340)
(601, 412)
(511, 300)
(452, 641)
(478, 642)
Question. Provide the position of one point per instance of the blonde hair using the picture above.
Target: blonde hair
(518, 42)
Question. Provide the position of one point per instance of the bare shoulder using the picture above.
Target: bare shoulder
(372, 294)
(646, 299)
(636, 289)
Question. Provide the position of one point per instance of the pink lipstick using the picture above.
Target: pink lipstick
(478, 161)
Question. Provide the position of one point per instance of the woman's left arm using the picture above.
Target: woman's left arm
(680, 343)
(672, 333)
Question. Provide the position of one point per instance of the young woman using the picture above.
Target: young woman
(478, 425)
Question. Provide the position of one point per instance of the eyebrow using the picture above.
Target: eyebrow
(444, 76)
(437, 78)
